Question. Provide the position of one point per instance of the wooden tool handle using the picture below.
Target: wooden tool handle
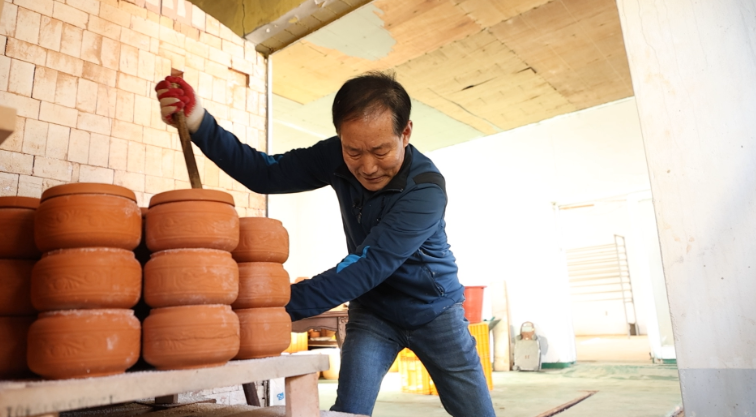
(186, 146)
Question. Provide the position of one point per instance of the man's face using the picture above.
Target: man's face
(372, 151)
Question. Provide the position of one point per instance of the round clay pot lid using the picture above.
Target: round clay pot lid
(19, 202)
(195, 194)
(88, 188)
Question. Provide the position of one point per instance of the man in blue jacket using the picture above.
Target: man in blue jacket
(399, 276)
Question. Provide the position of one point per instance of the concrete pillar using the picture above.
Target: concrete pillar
(693, 64)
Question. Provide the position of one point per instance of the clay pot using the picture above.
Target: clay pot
(265, 332)
(193, 218)
(13, 333)
(190, 276)
(262, 240)
(262, 284)
(86, 278)
(87, 215)
(190, 337)
(83, 343)
(17, 228)
(15, 287)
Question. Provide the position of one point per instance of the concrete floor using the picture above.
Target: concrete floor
(624, 390)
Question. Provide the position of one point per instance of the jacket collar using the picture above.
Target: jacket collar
(398, 183)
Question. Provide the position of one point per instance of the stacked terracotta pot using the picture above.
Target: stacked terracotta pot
(264, 288)
(191, 279)
(18, 253)
(86, 282)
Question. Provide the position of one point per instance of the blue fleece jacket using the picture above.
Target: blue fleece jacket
(399, 264)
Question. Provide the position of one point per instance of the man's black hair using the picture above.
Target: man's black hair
(369, 93)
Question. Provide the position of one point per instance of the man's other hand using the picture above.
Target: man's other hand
(174, 95)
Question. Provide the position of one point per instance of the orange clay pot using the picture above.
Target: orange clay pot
(262, 284)
(86, 278)
(87, 215)
(190, 337)
(15, 287)
(264, 332)
(83, 343)
(13, 333)
(179, 277)
(262, 240)
(193, 218)
(17, 228)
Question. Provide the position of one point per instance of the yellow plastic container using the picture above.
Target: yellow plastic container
(298, 343)
(415, 378)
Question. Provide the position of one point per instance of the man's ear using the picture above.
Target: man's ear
(406, 133)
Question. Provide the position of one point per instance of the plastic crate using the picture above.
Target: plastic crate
(415, 378)
(298, 343)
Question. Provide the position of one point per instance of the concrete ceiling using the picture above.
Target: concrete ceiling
(472, 67)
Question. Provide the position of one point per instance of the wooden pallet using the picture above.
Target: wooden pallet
(36, 397)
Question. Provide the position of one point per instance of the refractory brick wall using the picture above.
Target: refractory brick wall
(81, 74)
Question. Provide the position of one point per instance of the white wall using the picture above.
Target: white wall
(503, 190)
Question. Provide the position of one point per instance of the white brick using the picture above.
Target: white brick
(126, 130)
(104, 28)
(146, 66)
(5, 64)
(65, 90)
(70, 15)
(106, 101)
(71, 40)
(89, 173)
(98, 74)
(124, 106)
(21, 77)
(129, 60)
(130, 180)
(142, 110)
(219, 91)
(110, 53)
(135, 39)
(99, 150)
(118, 156)
(8, 184)
(132, 84)
(94, 123)
(115, 15)
(57, 142)
(88, 6)
(91, 47)
(64, 63)
(78, 149)
(29, 186)
(52, 168)
(54, 113)
(212, 25)
(156, 121)
(35, 137)
(45, 81)
(16, 163)
(26, 51)
(15, 141)
(50, 34)
(145, 27)
(44, 7)
(156, 185)
(27, 26)
(86, 96)
(160, 138)
(8, 20)
(153, 160)
(198, 18)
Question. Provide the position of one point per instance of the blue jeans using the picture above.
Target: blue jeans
(444, 346)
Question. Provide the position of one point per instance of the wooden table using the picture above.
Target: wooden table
(335, 320)
(34, 397)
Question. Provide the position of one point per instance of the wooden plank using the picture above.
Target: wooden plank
(29, 398)
(302, 396)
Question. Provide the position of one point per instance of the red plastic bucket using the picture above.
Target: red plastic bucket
(473, 304)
